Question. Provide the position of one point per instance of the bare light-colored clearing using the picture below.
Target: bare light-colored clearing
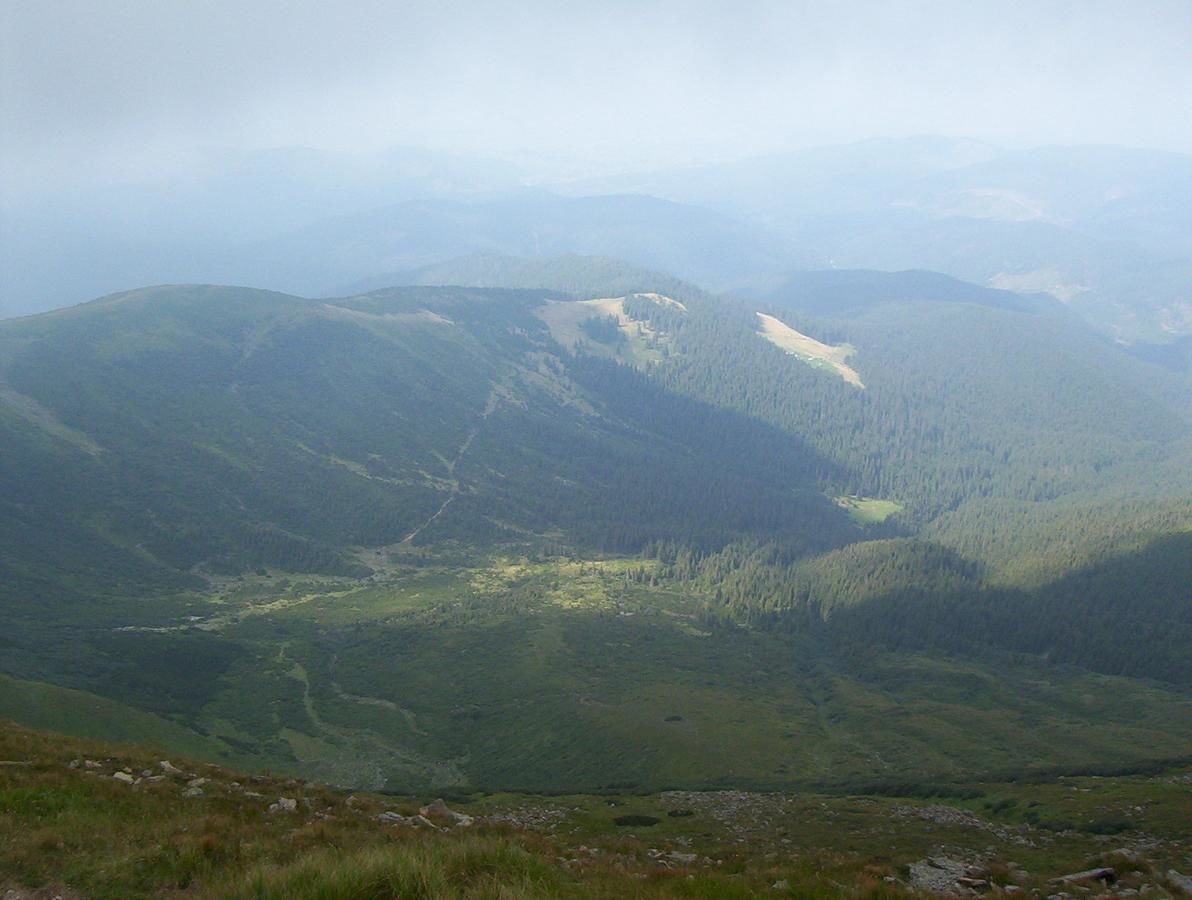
(1049, 281)
(1176, 318)
(665, 301)
(422, 316)
(996, 203)
(564, 318)
(809, 349)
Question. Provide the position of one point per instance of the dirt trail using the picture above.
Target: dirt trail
(369, 753)
(494, 397)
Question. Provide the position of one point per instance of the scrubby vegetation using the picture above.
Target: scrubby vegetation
(96, 820)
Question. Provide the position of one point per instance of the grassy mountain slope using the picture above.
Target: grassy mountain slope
(420, 537)
(234, 428)
(102, 820)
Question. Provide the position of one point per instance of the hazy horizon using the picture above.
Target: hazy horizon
(138, 89)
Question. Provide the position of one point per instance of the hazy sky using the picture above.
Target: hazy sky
(103, 87)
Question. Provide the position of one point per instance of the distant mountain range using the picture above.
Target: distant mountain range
(1104, 230)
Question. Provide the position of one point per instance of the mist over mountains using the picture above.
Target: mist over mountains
(1102, 230)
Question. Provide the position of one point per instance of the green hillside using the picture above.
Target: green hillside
(82, 818)
(480, 538)
(230, 429)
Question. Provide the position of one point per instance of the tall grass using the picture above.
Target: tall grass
(468, 866)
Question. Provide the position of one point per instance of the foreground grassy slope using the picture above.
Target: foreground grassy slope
(48, 707)
(100, 820)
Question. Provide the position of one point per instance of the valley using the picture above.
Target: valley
(467, 539)
(653, 450)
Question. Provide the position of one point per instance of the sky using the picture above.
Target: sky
(129, 88)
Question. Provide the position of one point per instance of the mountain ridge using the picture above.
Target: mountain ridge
(640, 523)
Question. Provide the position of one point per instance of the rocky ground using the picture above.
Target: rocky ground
(777, 843)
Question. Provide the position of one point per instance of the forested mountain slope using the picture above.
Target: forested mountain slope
(484, 536)
(963, 400)
(176, 427)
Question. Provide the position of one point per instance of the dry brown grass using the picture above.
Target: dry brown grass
(783, 336)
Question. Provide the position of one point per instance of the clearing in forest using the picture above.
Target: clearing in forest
(641, 342)
(868, 510)
(809, 349)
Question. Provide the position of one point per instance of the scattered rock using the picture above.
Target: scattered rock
(423, 822)
(193, 792)
(168, 768)
(1104, 874)
(1179, 882)
(937, 873)
(197, 782)
(782, 885)
(683, 859)
(439, 810)
(530, 816)
(392, 818)
(283, 804)
(123, 777)
(747, 816)
(950, 815)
